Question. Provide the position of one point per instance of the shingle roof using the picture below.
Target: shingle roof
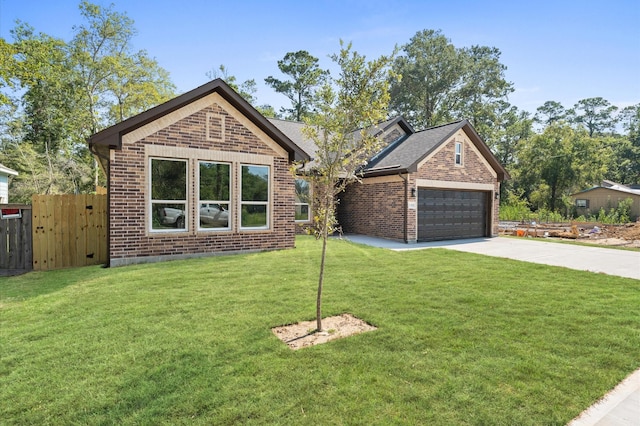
(404, 154)
(409, 151)
(293, 130)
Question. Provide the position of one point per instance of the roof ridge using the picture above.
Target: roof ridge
(444, 125)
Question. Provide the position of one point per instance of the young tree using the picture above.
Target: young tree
(346, 110)
(306, 77)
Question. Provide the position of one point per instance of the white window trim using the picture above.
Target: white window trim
(228, 202)
(458, 155)
(149, 213)
(265, 203)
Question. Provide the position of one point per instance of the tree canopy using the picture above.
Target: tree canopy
(305, 78)
(55, 94)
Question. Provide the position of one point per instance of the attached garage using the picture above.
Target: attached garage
(452, 214)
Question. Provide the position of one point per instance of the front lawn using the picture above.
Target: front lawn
(461, 339)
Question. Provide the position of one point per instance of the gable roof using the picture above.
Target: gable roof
(613, 186)
(111, 137)
(7, 171)
(407, 153)
(404, 154)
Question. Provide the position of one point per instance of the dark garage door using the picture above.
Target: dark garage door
(449, 215)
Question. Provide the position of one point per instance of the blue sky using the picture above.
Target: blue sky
(554, 50)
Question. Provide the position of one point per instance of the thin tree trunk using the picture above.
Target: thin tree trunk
(325, 233)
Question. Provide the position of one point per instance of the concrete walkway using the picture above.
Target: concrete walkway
(622, 263)
(621, 406)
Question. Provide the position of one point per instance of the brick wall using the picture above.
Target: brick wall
(198, 134)
(375, 209)
(474, 170)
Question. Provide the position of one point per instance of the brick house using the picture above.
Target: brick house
(205, 173)
(202, 173)
(437, 184)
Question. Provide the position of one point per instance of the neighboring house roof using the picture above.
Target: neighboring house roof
(111, 137)
(7, 171)
(613, 186)
(404, 154)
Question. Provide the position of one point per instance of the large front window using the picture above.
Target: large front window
(215, 195)
(254, 197)
(168, 183)
(302, 200)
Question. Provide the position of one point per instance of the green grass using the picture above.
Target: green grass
(461, 339)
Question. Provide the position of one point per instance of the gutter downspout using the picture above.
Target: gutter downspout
(406, 207)
(108, 173)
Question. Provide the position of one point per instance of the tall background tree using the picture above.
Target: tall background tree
(55, 94)
(347, 107)
(441, 83)
(305, 78)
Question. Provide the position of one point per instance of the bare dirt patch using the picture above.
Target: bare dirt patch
(627, 235)
(304, 334)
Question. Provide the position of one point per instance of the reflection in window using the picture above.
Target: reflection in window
(254, 199)
(302, 200)
(168, 182)
(215, 190)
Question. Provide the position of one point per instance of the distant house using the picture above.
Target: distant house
(5, 172)
(606, 196)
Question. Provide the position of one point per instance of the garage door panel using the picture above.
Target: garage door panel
(450, 214)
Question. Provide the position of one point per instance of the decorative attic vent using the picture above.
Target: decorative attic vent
(215, 127)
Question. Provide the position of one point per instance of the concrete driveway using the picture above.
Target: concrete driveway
(622, 263)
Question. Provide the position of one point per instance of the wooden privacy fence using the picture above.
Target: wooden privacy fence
(15, 237)
(69, 230)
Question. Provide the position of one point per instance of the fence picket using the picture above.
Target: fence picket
(15, 239)
(56, 231)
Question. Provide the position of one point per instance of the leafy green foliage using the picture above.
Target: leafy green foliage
(441, 83)
(306, 76)
(68, 91)
(348, 107)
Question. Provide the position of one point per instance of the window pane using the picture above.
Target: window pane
(214, 181)
(253, 216)
(167, 216)
(168, 180)
(255, 183)
(214, 215)
(302, 212)
(302, 191)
